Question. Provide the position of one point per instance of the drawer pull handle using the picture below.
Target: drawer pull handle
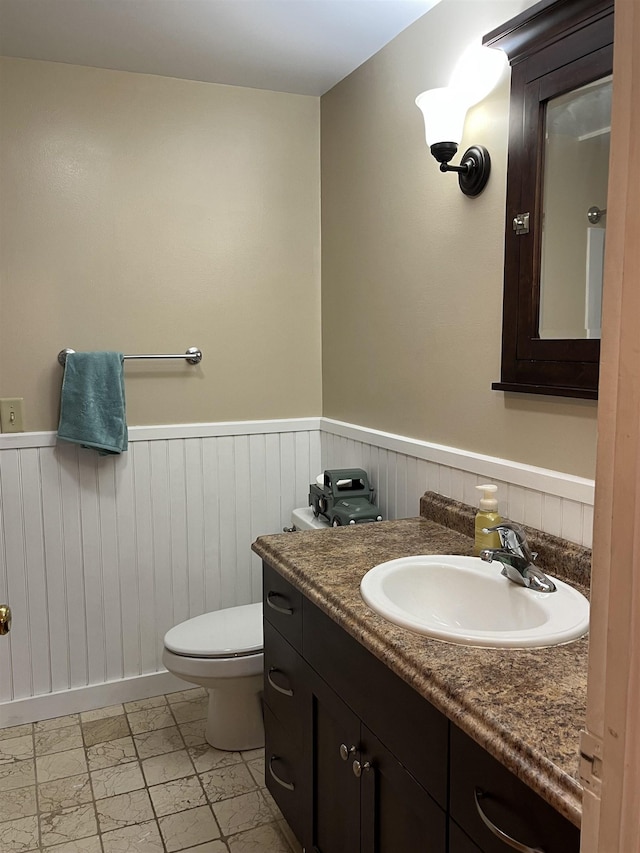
(508, 840)
(286, 691)
(5, 618)
(288, 611)
(275, 776)
(346, 751)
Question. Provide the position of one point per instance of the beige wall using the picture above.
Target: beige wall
(412, 269)
(149, 214)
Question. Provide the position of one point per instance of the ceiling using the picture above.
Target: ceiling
(301, 46)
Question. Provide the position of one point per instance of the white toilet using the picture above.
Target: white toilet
(223, 651)
(303, 519)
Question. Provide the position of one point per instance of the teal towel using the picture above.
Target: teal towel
(92, 407)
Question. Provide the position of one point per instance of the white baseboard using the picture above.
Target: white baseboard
(88, 698)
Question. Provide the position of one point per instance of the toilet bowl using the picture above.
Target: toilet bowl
(223, 652)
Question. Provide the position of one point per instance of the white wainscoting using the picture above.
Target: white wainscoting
(99, 556)
(402, 469)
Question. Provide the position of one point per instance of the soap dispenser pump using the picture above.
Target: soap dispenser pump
(487, 516)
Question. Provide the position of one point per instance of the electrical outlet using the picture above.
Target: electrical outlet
(12, 414)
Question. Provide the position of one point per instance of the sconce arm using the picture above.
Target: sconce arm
(462, 169)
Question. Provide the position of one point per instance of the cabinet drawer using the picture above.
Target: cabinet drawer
(409, 726)
(284, 682)
(282, 606)
(286, 773)
(506, 801)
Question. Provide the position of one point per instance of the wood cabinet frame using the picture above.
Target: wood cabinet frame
(553, 47)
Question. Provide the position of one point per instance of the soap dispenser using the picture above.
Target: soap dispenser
(487, 516)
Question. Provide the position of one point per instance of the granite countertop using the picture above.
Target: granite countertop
(526, 707)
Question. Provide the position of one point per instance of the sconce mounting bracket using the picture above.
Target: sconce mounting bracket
(474, 178)
(474, 169)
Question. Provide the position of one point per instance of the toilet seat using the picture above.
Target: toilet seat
(234, 632)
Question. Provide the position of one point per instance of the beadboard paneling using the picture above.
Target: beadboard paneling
(100, 556)
(402, 470)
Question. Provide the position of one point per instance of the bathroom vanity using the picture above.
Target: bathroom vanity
(378, 739)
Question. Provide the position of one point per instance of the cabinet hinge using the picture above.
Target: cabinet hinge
(591, 762)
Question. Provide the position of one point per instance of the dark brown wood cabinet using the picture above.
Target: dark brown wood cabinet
(460, 841)
(363, 798)
(358, 762)
(397, 812)
(335, 736)
(286, 702)
(480, 785)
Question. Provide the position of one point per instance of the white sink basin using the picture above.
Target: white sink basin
(467, 601)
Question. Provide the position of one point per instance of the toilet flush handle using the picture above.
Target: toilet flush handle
(5, 618)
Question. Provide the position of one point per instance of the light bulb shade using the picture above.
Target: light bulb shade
(477, 72)
(444, 112)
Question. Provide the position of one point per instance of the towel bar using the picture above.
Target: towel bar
(193, 355)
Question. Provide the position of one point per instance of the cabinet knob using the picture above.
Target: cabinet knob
(359, 769)
(499, 833)
(346, 751)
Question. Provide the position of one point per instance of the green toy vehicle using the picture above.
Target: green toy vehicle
(344, 497)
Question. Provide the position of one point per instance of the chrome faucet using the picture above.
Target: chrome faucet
(516, 558)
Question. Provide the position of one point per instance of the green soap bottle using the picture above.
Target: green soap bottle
(487, 516)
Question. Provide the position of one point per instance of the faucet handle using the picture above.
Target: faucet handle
(508, 525)
(513, 537)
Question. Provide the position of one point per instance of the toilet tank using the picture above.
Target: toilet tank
(303, 519)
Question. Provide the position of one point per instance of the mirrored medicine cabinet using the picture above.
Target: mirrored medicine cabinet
(561, 57)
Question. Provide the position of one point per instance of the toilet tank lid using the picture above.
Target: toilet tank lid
(303, 519)
(223, 633)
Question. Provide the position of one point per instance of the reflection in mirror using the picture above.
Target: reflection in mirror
(576, 171)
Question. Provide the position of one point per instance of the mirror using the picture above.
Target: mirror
(574, 201)
(561, 57)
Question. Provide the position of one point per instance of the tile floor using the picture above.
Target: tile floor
(134, 778)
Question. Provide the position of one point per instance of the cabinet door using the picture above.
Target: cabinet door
(336, 788)
(410, 727)
(459, 842)
(397, 814)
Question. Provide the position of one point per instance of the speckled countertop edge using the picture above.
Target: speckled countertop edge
(526, 707)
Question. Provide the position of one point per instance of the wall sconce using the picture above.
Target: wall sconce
(444, 111)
